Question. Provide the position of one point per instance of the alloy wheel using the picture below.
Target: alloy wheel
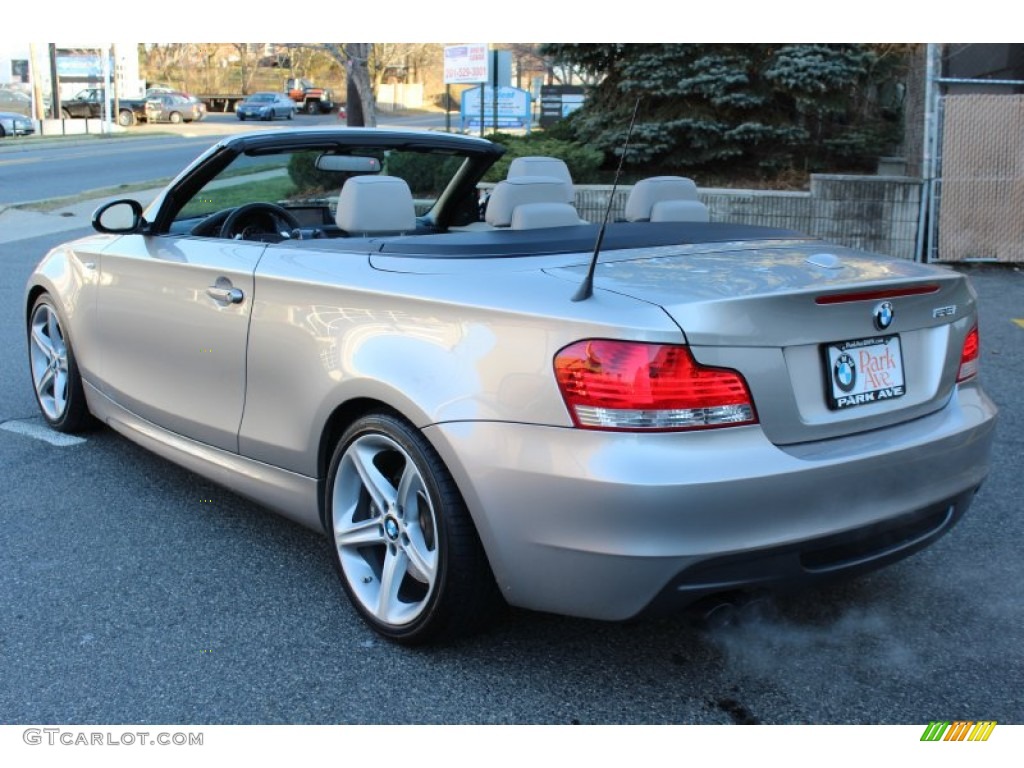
(385, 530)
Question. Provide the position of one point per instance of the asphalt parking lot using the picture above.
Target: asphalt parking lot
(132, 591)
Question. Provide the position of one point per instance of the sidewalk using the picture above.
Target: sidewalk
(20, 224)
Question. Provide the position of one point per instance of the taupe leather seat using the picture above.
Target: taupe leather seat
(665, 198)
(376, 205)
(543, 166)
(541, 197)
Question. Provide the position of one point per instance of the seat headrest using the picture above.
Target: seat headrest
(540, 215)
(376, 204)
(647, 192)
(543, 166)
(519, 191)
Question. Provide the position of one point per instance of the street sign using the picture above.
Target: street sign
(465, 63)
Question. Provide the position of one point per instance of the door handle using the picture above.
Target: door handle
(223, 291)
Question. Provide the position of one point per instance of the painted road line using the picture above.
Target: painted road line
(1020, 323)
(32, 428)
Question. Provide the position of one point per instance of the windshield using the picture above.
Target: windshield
(295, 180)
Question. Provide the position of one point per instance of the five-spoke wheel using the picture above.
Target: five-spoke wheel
(404, 544)
(55, 377)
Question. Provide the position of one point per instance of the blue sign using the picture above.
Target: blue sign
(513, 108)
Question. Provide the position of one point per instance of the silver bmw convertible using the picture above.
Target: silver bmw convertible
(488, 402)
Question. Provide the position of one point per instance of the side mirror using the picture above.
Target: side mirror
(118, 217)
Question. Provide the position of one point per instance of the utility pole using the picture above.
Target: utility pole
(54, 84)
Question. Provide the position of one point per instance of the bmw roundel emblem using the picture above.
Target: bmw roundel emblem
(883, 315)
(845, 372)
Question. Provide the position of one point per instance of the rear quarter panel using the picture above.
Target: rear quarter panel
(328, 328)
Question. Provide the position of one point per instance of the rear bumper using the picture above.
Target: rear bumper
(606, 525)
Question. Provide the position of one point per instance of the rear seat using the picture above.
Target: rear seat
(665, 198)
(541, 198)
(543, 166)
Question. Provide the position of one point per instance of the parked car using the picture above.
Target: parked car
(531, 409)
(172, 108)
(15, 124)
(88, 102)
(200, 107)
(266, 106)
(16, 102)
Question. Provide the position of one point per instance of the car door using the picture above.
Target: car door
(174, 316)
(94, 104)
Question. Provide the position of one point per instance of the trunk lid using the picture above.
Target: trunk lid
(798, 320)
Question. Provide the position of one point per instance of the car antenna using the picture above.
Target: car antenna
(586, 289)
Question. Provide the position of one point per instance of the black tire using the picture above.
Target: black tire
(174, 117)
(61, 401)
(312, 108)
(65, 114)
(2, 132)
(415, 571)
(125, 118)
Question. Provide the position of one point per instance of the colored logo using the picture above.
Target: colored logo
(845, 372)
(958, 730)
(883, 315)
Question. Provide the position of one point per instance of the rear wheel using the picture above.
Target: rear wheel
(312, 108)
(125, 118)
(403, 542)
(175, 117)
(55, 377)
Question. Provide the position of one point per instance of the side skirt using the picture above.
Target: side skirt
(290, 494)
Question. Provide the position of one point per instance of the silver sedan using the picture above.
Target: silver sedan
(507, 404)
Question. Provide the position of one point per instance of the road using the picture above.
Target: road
(132, 591)
(64, 166)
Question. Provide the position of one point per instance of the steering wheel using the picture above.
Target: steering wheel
(244, 221)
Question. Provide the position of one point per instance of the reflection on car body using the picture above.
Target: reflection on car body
(720, 415)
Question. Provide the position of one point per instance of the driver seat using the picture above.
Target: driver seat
(376, 205)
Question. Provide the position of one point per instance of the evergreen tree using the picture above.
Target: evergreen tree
(756, 108)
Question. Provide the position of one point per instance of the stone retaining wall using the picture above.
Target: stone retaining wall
(874, 213)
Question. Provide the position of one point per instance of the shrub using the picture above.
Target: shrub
(584, 162)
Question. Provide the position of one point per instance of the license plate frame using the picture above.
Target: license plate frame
(863, 371)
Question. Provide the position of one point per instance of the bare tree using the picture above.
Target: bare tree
(246, 63)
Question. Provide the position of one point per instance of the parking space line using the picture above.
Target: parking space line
(34, 429)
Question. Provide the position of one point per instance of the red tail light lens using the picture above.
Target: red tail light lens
(623, 385)
(970, 356)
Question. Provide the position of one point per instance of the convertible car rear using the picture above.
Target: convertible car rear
(330, 323)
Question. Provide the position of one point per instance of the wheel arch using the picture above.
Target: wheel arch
(343, 416)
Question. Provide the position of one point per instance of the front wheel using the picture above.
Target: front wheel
(175, 117)
(55, 377)
(312, 108)
(404, 545)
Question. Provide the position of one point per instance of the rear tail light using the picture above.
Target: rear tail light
(969, 356)
(634, 386)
